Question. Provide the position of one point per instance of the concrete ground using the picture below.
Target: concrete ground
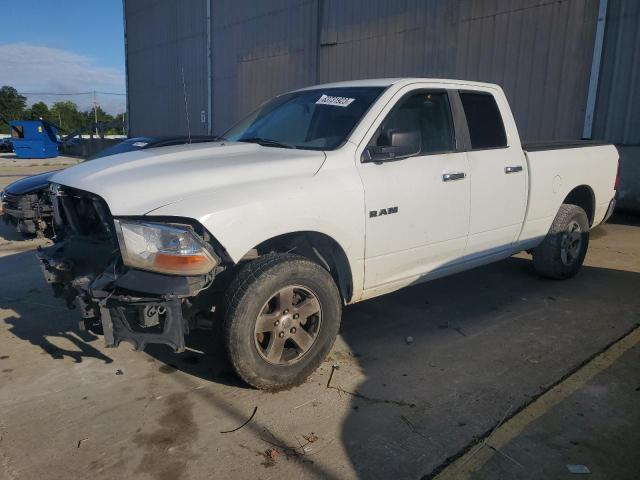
(13, 168)
(508, 376)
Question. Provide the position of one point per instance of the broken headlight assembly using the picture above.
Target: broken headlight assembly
(163, 248)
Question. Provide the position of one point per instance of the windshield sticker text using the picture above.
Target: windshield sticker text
(335, 101)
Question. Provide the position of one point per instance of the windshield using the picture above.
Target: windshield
(319, 119)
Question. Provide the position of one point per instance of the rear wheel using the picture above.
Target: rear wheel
(561, 253)
(282, 314)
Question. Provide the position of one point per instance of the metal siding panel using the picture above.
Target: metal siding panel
(539, 50)
(266, 51)
(535, 72)
(554, 70)
(575, 74)
(462, 47)
(632, 118)
(165, 36)
(539, 65)
(498, 62)
(616, 116)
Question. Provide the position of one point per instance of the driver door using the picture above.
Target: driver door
(417, 202)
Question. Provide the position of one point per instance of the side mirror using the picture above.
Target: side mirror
(401, 144)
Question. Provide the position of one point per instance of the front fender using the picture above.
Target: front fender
(243, 217)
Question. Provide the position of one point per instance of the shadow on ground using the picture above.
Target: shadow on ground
(482, 343)
(28, 323)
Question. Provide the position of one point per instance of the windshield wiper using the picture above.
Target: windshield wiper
(266, 142)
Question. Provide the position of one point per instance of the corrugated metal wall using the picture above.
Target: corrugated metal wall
(260, 49)
(617, 116)
(540, 51)
(165, 38)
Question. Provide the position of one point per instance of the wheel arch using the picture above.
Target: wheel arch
(583, 197)
(316, 246)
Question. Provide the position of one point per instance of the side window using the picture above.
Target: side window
(424, 115)
(484, 120)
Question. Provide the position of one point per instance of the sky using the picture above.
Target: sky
(64, 46)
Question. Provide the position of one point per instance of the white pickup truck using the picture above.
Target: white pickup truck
(322, 197)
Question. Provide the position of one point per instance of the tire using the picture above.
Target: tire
(559, 256)
(258, 296)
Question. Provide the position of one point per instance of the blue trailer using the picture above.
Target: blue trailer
(34, 138)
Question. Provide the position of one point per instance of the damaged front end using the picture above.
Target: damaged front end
(135, 280)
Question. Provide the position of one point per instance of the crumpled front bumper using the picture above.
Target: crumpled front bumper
(111, 303)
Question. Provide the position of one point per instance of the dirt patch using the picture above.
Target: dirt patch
(168, 449)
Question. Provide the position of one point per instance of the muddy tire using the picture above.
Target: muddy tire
(561, 253)
(281, 316)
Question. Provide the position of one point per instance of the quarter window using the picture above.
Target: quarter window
(484, 120)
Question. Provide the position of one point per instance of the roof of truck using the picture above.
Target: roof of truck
(386, 82)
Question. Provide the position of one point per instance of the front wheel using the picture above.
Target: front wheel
(282, 315)
(561, 253)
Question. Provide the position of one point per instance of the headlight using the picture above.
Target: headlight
(163, 248)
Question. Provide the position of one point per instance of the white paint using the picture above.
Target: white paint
(245, 194)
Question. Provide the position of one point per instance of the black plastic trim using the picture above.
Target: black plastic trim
(160, 284)
(561, 144)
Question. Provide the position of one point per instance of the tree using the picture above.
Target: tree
(12, 105)
(66, 116)
(39, 110)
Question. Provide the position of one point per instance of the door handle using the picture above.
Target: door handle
(517, 168)
(448, 177)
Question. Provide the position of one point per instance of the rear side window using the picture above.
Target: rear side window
(484, 120)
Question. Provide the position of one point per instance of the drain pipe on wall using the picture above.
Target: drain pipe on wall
(587, 131)
(209, 71)
(126, 69)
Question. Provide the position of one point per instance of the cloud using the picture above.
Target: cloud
(33, 68)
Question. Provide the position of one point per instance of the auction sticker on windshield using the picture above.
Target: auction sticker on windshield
(335, 101)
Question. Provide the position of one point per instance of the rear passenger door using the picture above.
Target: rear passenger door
(497, 176)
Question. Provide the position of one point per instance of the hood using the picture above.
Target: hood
(30, 184)
(134, 183)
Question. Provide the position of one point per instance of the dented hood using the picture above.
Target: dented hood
(135, 183)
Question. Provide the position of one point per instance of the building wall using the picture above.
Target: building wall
(617, 116)
(260, 49)
(540, 51)
(164, 39)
